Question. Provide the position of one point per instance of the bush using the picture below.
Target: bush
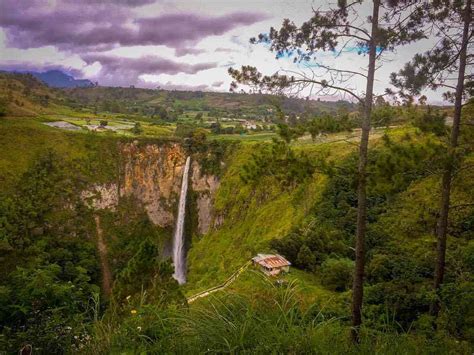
(430, 121)
(337, 274)
(279, 161)
(137, 129)
(306, 258)
(307, 247)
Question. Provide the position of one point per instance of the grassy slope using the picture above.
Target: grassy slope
(26, 96)
(254, 217)
(251, 217)
(23, 139)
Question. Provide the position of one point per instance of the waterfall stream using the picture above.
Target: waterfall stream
(178, 239)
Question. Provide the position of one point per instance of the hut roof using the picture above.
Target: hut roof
(271, 260)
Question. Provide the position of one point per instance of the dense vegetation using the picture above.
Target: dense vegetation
(275, 196)
(50, 280)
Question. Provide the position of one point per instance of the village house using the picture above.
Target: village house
(271, 264)
(250, 125)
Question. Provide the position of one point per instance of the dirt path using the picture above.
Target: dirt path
(104, 264)
(231, 279)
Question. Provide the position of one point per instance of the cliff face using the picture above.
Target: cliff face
(205, 187)
(152, 174)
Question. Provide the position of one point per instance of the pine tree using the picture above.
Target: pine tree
(433, 69)
(391, 24)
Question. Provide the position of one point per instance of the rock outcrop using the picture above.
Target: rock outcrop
(152, 173)
(205, 186)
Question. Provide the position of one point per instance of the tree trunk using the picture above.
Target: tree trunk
(442, 229)
(358, 282)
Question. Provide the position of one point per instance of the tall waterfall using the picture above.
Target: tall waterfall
(178, 240)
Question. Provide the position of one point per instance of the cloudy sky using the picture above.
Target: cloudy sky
(172, 44)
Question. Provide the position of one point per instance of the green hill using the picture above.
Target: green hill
(130, 100)
(24, 95)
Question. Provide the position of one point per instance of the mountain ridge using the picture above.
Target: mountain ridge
(55, 78)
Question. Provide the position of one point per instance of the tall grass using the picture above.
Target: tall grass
(237, 324)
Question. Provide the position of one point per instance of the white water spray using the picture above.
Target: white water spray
(178, 240)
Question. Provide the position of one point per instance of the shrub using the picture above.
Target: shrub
(137, 129)
(430, 121)
(337, 274)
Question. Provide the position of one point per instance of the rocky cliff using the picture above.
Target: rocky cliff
(152, 174)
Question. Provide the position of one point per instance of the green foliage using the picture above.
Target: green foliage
(170, 106)
(209, 154)
(137, 128)
(430, 120)
(136, 254)
(93, 156)
(299, 201)
(279, 161)
(184, 129)
(242, 213)
(238, 323)
(287, 133)
(401, 214)
(399, 162)
(145, 271)
(305, 258)
(337, 274)
(44, 227)
(309, 245)
(383, 115)
(212, 160)
(325, 123)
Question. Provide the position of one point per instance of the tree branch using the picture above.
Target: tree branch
(325, 84)
(462, 205)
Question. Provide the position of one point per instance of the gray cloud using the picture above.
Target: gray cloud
(98, 25)
(145, 65)
(126, 71)
(216, 84)
(90, 27)
(179, 52)
(170, 86)
(130, 3)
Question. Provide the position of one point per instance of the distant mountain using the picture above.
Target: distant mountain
(58, 79)
(28, 96)
(54, 78)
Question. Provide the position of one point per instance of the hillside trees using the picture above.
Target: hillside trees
(391, 24)
(434, 69)
(49, 268)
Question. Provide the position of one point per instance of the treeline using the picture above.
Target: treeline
(403, 170)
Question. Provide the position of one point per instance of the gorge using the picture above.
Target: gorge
(155, 176)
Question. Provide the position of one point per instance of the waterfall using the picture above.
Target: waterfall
(178, 240)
